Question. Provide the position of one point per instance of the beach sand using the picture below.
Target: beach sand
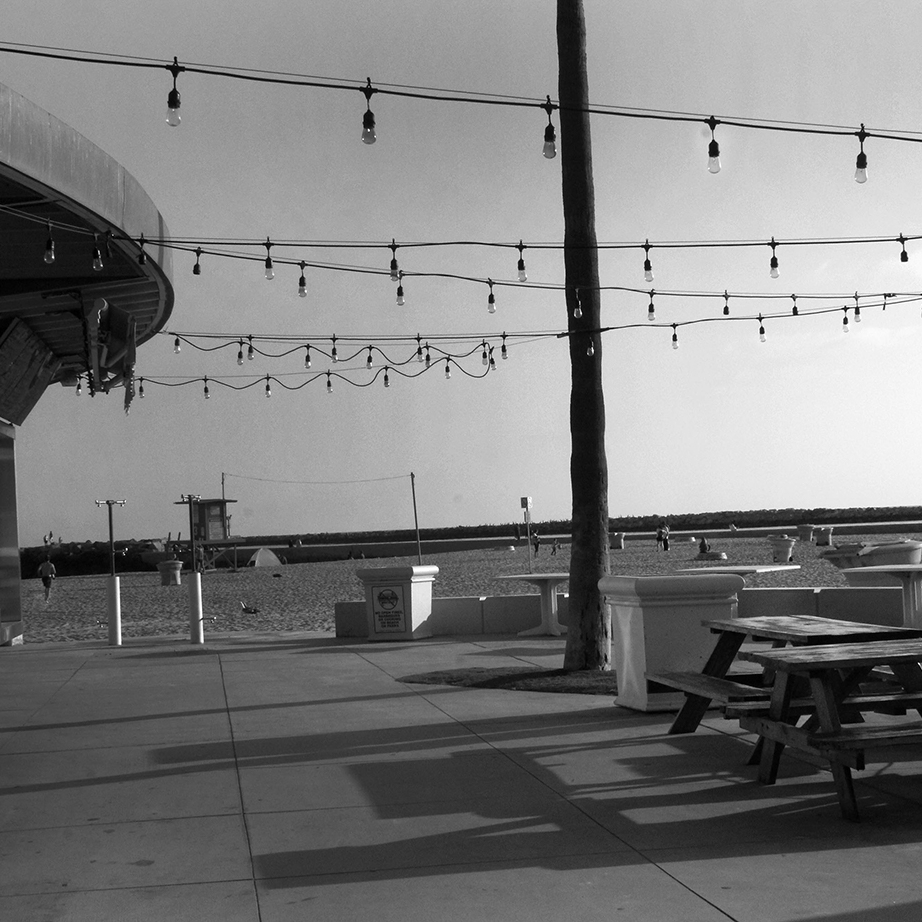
(300, 597)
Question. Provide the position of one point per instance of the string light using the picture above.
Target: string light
(368, 119)
(491, 299)
(503, 352)
(447, 369)
(647, 265)
(395, 270)
(197, 268)
(387, 380)
(400, 298)
(307, 357)
(521, 263)
(675, 336)
(428, 356)
(845, 320)
(590, 349)
(550, 135)
(794, 308)
(651, 309)
(713, 148)
(173, 118)
(142, 255)
(578, 309)
(726, 303)
(492, 360)
(302, 281)
(368, 361)
(773, 262)
(857, 309)
(419, 348)
(329, 384)
(79, 389)
(49, 247)
(762, 336)
(251, 352)
(141, 388)
(270, 269)
(176, 346)
(334, 357)
(207, 392)
(240, 353)
(904, 256)
(268, 388)
(97, 256)
(484, 358)
(861, 164)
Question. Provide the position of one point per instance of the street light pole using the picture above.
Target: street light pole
(113, 594)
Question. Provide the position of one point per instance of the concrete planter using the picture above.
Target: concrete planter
(169, 572)
(398, 601)
(782, 548)
(656, 627)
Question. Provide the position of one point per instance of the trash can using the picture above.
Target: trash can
(824, 537)
(617, 541)
(169, 572)
(782, 548)
(805, 532)
(398, 601)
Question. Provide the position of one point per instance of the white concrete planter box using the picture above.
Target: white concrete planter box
(398, 601)
(656, 627)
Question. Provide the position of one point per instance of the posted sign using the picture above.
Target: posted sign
(388, 609)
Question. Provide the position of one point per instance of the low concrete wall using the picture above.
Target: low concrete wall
(873, 605)
(506, 614)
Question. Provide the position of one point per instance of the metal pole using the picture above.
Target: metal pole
(113, 590)
(196, 620)
(419, 544)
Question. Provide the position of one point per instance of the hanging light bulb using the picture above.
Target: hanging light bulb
(368, 361)
(79, 390)
(904, 256)
(307, 356)
(207, 392)
(419, 348)
(447, 369)
(675, 336)
(302, 282)
(590, 349)
(173, 117)
(726, 303)
(142, 255)
(368, 119)
(333, 354)
(844, 319)
(141, 388)
(521, 263)
(251, 352)
(861, 164)
(857, 309)
(761, 330)
(794, 308)
(401, 300)
(387, 380)
(773, 262)
(484, 358)
(492, 360)
(240, 353)
(647, 265)
(651, 308)
(504, 354)
(270, 269)
(578, 310)
(49, 247)
(176, 346)
(428, 356)
(713, 148)
(550, 135)
(395, 270)
(491, 299)
(329, 384)
(97, 256)
(197, 268)
(268, 388)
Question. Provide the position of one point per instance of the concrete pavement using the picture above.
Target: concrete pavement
(268, 778)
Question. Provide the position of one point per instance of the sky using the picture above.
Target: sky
(808, 418)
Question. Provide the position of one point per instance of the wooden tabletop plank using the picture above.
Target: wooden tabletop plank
(808, 628)
(837, 656)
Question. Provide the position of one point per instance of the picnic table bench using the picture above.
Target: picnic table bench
(835, 673)
(715, 683)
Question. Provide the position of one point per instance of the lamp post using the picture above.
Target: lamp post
(113, 594)
(196, 620)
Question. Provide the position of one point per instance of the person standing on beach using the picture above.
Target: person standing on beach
(47, 573)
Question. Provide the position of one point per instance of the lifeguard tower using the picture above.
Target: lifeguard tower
(210, 526)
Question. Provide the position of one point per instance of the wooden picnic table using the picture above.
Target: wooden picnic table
(835, 673)
(715, 683)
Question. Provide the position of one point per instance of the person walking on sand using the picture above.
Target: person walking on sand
(665, 537)
(536, 541)
(47, 573)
